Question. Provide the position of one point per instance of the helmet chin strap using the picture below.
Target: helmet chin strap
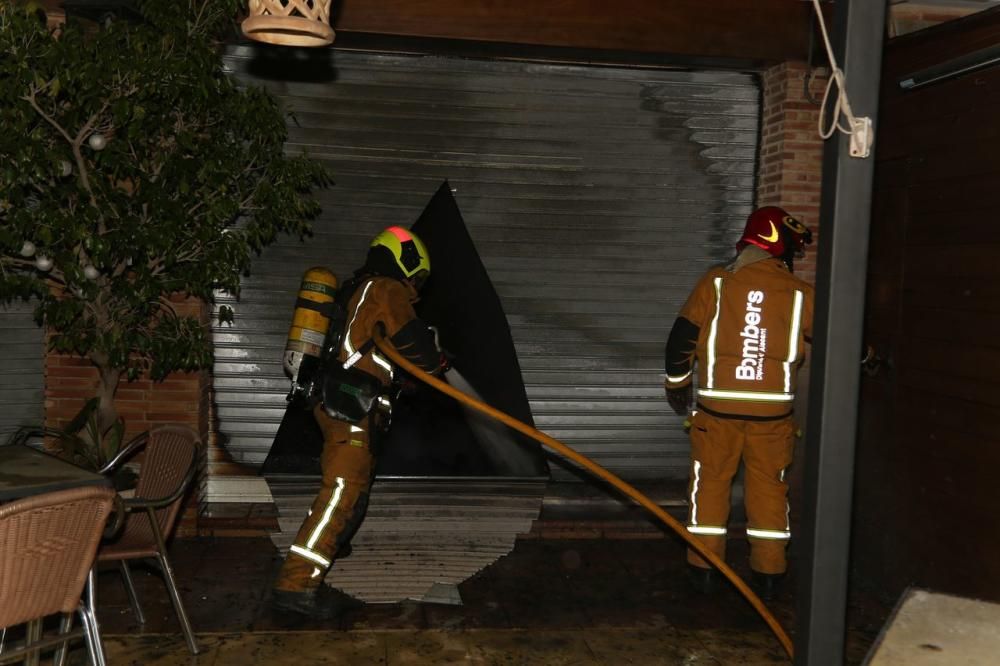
(790, 255)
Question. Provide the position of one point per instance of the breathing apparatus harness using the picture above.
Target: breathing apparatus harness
(314, 341)
(347, 393)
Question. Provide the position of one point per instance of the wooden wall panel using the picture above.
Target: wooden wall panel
(929, 448)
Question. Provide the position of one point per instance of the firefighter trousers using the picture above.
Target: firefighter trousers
(717, 447)
(348, 466)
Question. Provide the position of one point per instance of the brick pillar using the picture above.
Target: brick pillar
(791, 151)
(791, 166)
(182, 398)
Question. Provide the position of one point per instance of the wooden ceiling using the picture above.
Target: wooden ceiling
(725, 33)
(740, 31)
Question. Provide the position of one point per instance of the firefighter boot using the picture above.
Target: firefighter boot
(704, 581)
(322, 603)
(767, 586)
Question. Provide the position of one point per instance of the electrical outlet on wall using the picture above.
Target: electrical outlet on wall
(862, 136)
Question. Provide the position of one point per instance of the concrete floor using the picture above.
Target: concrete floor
(548, 602)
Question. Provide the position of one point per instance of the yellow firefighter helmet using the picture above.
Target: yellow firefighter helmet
(407, 250)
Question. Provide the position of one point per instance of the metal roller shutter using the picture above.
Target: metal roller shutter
(595, 195)
(22, 376)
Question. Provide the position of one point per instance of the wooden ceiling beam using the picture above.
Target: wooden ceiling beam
(727, 32)
(765, 31)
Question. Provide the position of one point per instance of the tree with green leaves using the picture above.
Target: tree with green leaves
(134, 170)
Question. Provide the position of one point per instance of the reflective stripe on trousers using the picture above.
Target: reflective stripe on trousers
(717, 448)
(338, 508)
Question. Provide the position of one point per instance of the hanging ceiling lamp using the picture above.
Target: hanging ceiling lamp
(289, 22)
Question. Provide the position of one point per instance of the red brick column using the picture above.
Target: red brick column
(790, 176)
(791, 151)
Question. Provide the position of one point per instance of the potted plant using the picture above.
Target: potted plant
(81, 441)
(135, 173)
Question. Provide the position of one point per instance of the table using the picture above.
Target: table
(25, 471)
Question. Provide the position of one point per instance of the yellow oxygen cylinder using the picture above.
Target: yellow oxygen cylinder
(311, 319)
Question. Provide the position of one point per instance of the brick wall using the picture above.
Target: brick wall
(182, 398)
(791, 151)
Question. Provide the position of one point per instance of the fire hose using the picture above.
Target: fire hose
(384, 345)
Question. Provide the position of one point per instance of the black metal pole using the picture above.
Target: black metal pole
(845, 210)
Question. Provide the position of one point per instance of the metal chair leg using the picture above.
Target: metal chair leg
(90, 591)
(32, 634)
(92, 635)
(132, 596)
(65, 625)
(168, 576)
(93, 630)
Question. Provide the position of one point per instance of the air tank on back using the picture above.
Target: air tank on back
(311, 320)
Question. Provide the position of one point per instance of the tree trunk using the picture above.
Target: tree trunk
(107, 414)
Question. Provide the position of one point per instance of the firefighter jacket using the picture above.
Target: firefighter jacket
(388, 302)
(746, 327)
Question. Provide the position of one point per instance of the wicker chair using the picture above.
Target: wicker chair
(47, 548)
(169, 465)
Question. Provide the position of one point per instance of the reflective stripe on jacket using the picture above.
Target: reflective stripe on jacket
(389, 301)
(747, 330)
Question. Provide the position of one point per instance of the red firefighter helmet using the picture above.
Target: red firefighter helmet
(775, 231)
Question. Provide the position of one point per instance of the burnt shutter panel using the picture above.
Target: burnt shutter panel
(595, 196)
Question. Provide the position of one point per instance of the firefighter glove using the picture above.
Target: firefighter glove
(679, 399)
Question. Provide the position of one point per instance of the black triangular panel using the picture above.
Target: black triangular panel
(432, 434)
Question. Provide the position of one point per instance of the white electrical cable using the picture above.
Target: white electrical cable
(836, 77)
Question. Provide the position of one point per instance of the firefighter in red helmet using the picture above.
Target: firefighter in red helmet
(742, 334)
(777, 233)
(380, 297)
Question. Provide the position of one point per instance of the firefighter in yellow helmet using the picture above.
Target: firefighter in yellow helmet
(744, 325)
(379, 297)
